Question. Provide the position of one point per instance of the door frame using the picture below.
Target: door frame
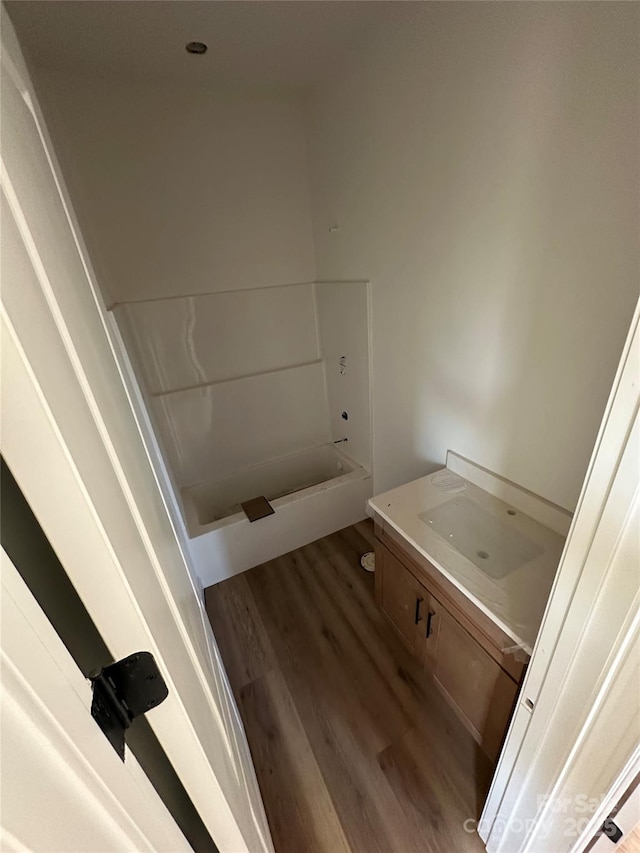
(533, 774)
(75, 448)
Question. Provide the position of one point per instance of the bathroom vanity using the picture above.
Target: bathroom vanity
(465, 562)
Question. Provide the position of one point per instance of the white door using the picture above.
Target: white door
(573, 742)
(73, 444)
(63, 787)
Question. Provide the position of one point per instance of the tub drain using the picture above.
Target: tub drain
(368, 561)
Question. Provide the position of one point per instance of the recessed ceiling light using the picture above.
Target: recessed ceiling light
(196, 47)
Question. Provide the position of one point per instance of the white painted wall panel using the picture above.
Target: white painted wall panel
(183, 189)
(481, 163)
(212, 431)
(201, 339)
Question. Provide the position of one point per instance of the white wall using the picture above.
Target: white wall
(481, 162)
(180, 189)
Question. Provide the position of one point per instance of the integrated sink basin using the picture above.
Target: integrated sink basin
(496, 542)
(489, 541)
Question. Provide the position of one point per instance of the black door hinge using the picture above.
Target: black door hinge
(123, 691)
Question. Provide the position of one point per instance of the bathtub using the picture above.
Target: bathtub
(313, 492)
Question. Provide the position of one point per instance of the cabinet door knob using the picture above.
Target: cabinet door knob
(430, 616)
(418, 617)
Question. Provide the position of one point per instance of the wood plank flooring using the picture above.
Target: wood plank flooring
(354, 748)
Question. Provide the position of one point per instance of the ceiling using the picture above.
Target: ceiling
(284, 44)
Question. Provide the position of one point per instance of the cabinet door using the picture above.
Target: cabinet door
(403, 600)
(478, 688)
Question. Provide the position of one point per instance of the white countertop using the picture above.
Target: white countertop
(489, 531)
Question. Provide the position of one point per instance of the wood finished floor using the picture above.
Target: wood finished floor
(354, 748)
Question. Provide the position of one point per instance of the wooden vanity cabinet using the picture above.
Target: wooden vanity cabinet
(455, 641)
(402, 599)
(480, 691)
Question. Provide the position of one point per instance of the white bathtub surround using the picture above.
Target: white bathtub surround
(242, 377)
(345, 330)
(214, 337)
(460, 527)
(214, 431)
(248, 392)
